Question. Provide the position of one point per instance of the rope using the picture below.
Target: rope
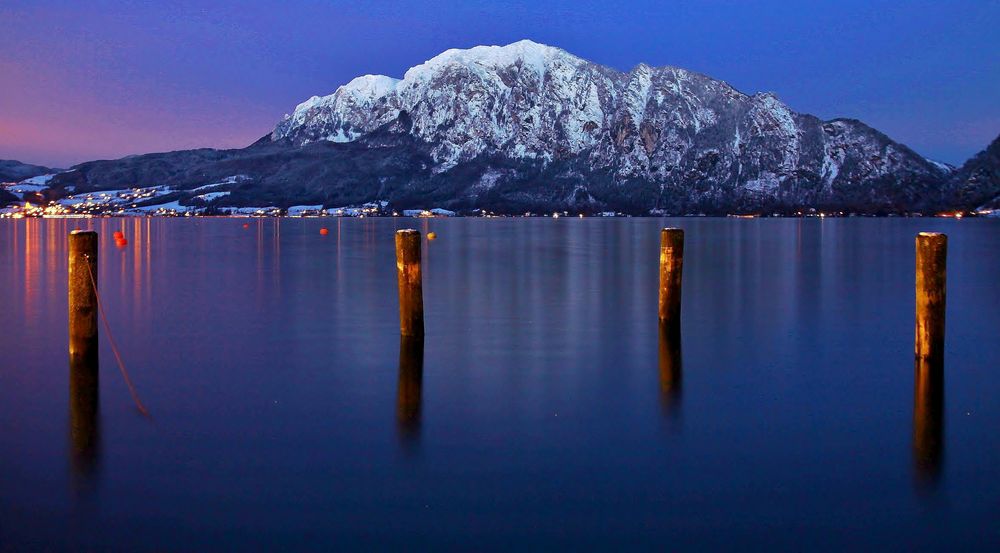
(114, 346)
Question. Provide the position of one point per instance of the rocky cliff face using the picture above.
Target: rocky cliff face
(678, 140)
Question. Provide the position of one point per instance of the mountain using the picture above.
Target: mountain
(977, 183)
(14, 171)
(531, 127)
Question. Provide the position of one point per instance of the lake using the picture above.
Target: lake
(541, 413)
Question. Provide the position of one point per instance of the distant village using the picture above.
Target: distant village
(164, 201)
(203, 201)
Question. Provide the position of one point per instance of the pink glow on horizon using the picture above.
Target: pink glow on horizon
(59, 120)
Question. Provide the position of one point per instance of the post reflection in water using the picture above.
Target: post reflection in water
(928, 420)
(84, 417)
(670, 367)
(408, 395)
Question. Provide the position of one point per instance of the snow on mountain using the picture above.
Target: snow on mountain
(40, 180)
(359, 95)
(663, 125)
(942, 166)
(529, 127)
(467, 102)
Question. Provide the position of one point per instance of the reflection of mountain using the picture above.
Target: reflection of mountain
(532, 127)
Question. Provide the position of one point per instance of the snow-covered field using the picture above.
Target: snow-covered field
(211, 196)
(117, 198)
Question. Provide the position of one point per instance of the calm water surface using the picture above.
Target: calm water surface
(541, 414)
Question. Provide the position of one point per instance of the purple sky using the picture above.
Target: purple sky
(86, 80)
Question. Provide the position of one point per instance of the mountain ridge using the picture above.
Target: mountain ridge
(643, 124)
(529, 127)
(12, 170)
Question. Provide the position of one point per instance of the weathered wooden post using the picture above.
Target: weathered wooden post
(928, 348)
(408, 392)
(671, 263)
(411, 297)
(83, 298)
(83, 349)
(928, 418)
(932, 254)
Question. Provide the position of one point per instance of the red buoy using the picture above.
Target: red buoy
(324, 231)
(246, 225)
(121, 242)
(119, 235)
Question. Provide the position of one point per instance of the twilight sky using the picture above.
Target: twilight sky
(82, 80)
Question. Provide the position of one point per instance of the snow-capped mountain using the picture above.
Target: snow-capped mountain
(528, 127)
(668, 132)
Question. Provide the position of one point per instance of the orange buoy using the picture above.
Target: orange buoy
(119, 235)
(121, 242)
(324, 231)
(431, 235)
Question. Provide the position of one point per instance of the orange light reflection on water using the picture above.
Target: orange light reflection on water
(31, 263)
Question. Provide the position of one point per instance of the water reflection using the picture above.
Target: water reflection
(789, 324)
(84, 418)
(408, 395)
(670, 368)
(928, 420)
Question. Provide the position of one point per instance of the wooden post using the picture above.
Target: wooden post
(932, 254)
(411, 297)
(83, 350)
(83, 298)
(671, 263)
(408, 391)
